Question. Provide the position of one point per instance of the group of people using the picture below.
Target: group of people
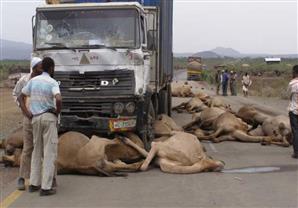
(224, 78)
(38, 96)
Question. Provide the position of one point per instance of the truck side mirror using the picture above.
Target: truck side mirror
(151, 40)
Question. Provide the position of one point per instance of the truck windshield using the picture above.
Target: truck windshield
(105, 28)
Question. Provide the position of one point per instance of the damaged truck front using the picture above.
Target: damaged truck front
(113, 63)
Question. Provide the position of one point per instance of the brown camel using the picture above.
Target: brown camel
(278, 128)
(96, 156)
(230, 128)
(195, 104)
(180, 153)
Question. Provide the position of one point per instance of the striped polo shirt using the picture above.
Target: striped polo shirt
(42, 90)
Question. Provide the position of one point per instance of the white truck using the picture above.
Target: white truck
(113, 62)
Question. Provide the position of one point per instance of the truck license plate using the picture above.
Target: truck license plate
(122, 124)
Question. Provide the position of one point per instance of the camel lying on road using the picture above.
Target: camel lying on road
(164, 125)
(195, 104)
(227, 127)
(180, 153)
(96, 156)
(278, 128)
(251, 116)
(181, 90)
(204, 119)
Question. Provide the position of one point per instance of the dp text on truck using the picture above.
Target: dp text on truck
(113, 62)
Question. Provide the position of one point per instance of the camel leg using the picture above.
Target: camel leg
(204, 165)
(223, 138)
(247, 138)
(284, 142)
(179, 107)
(150, 156)
(187, 126)
(212, 136)
(121, 166)
(96, 169)
(135, 146)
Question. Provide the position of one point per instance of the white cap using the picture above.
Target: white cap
(35, 61)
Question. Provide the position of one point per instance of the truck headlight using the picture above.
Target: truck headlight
(130, 107)
(118, 108)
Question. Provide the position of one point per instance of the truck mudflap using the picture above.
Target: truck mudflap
(98, 124)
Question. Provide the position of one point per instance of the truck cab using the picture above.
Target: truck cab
(112, 63)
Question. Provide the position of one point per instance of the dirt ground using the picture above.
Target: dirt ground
(11, 116)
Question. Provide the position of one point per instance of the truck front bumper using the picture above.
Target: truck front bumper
(98, 124)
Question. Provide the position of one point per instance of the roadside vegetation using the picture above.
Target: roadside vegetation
(269, 80)
(8, 67)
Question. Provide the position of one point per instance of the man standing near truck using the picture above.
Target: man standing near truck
(233, 83)
(293, 109)
(25, 163)
(45, 105)
(218, 80)
(225, 81)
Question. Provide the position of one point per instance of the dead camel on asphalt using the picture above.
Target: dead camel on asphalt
(164, 125)
(278, 128)
(97, 156)
(230, 128)
(251, 116)
(204, 119)
(12, 146)
(13, 141)
(195, 104)
(184, 90)
(180, 153)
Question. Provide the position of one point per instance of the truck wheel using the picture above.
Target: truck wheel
(169, 103)
(148, 134)
(165, 101)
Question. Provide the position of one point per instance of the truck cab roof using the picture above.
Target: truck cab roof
(48, 7)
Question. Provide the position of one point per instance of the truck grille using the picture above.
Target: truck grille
(101, 83)
(86, 94)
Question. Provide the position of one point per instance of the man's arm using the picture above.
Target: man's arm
(58, 103)
(18, 90)
(26, 112)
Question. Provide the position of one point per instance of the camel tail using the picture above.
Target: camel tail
(211, 136)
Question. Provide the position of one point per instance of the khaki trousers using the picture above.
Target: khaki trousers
(45, 140)
(25, 163)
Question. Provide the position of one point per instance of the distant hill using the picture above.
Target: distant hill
(206, 54)
(226, 52)
(221, 52)
(15, 50)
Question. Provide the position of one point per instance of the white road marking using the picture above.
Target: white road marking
(212, 147)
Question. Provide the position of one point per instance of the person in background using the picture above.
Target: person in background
(45, 105)
(225, 81)
(218, 80)
(293, 109)
(246, 83)
(25, 163)
(233, 83)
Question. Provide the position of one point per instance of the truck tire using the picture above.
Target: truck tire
(165, 101)
(147, 134)
(169, 91)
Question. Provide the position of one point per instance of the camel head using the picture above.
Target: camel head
(9, 149)
(283, 133)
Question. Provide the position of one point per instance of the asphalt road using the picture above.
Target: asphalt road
(153, 188)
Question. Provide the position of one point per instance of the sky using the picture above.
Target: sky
(249, 26)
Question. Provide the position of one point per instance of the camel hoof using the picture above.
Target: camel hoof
(143, 168)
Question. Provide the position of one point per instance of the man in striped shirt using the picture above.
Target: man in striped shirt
(44, 107)
(293, 109)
